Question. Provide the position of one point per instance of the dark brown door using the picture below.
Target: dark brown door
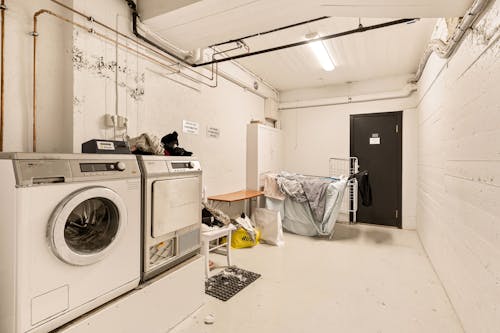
(376, 142)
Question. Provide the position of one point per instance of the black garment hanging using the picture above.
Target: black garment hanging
(364, 188)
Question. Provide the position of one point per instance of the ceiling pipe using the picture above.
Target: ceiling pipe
(406, 92)
(443, 49)
(135, 19)
(154, 49)
(270, 31)
(3, 7)
(332, 36)
(136, 51)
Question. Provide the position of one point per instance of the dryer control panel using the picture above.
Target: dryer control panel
(183, 166)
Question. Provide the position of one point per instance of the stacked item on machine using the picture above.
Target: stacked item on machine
(309, 205)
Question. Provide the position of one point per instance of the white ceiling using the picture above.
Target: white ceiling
(392, 51)
(388, 52)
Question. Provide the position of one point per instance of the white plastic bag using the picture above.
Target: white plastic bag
(245, 222)
(269, 223)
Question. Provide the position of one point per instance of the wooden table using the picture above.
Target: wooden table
(226, 231)
(238, 196)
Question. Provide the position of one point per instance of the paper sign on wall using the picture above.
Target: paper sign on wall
(375, 139)
(190, 127)
(213, 132)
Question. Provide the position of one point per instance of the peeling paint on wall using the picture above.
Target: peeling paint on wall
(97, 66)
(487, 28)
(78, 100)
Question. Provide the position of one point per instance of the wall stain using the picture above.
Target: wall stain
(98, 66)
(78, 100)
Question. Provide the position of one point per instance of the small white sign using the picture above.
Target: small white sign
(374, 141)
(213, 132)
(190, 127)
(105, 145)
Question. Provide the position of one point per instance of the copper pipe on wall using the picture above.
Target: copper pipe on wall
(90, 30)
(124, 46)
(2, 74)
(146, 46)
(35, 35)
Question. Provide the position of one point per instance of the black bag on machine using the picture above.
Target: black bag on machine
(97, 146)
(171, 145)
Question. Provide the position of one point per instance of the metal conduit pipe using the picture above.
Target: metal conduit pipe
(445, 49)
(241, 84)
(3, 7)
(332, 36)
(148, 31)
(135, 21)
(407, 92)
(90, 30)
(270, 31)
(145, 29)
(146, 46)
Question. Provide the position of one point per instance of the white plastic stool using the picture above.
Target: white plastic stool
(208, 236)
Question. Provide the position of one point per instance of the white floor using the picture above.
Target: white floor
(367, 279)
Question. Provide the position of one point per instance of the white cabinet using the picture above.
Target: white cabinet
(264, 153)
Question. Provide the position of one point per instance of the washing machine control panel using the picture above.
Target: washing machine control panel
(89, 169)
(102, 167)
(31, 172)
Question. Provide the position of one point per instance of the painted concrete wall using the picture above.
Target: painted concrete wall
(459, 173)
(314, 135)
(83, 77)
(54, 78)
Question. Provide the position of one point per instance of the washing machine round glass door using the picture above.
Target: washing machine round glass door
(86, 226)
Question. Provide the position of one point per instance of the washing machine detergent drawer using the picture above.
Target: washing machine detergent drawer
(176, 204)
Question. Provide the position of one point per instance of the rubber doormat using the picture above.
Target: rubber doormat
(229, 282)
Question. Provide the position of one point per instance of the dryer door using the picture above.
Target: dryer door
(86, 226)
(176, 204)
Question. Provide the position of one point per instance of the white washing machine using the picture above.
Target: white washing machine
(69, 236)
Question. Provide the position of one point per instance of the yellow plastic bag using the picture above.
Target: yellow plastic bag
(241, 239)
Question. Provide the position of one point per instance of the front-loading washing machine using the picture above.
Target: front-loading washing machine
(69, 236)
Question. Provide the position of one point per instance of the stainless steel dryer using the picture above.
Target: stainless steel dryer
(171, 211)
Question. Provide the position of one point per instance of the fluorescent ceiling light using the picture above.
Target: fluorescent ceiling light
(323, 56)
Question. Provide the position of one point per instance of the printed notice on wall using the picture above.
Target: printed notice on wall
(190, 127)
(213, 132)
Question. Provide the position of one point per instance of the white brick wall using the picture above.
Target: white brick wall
(458, 213)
